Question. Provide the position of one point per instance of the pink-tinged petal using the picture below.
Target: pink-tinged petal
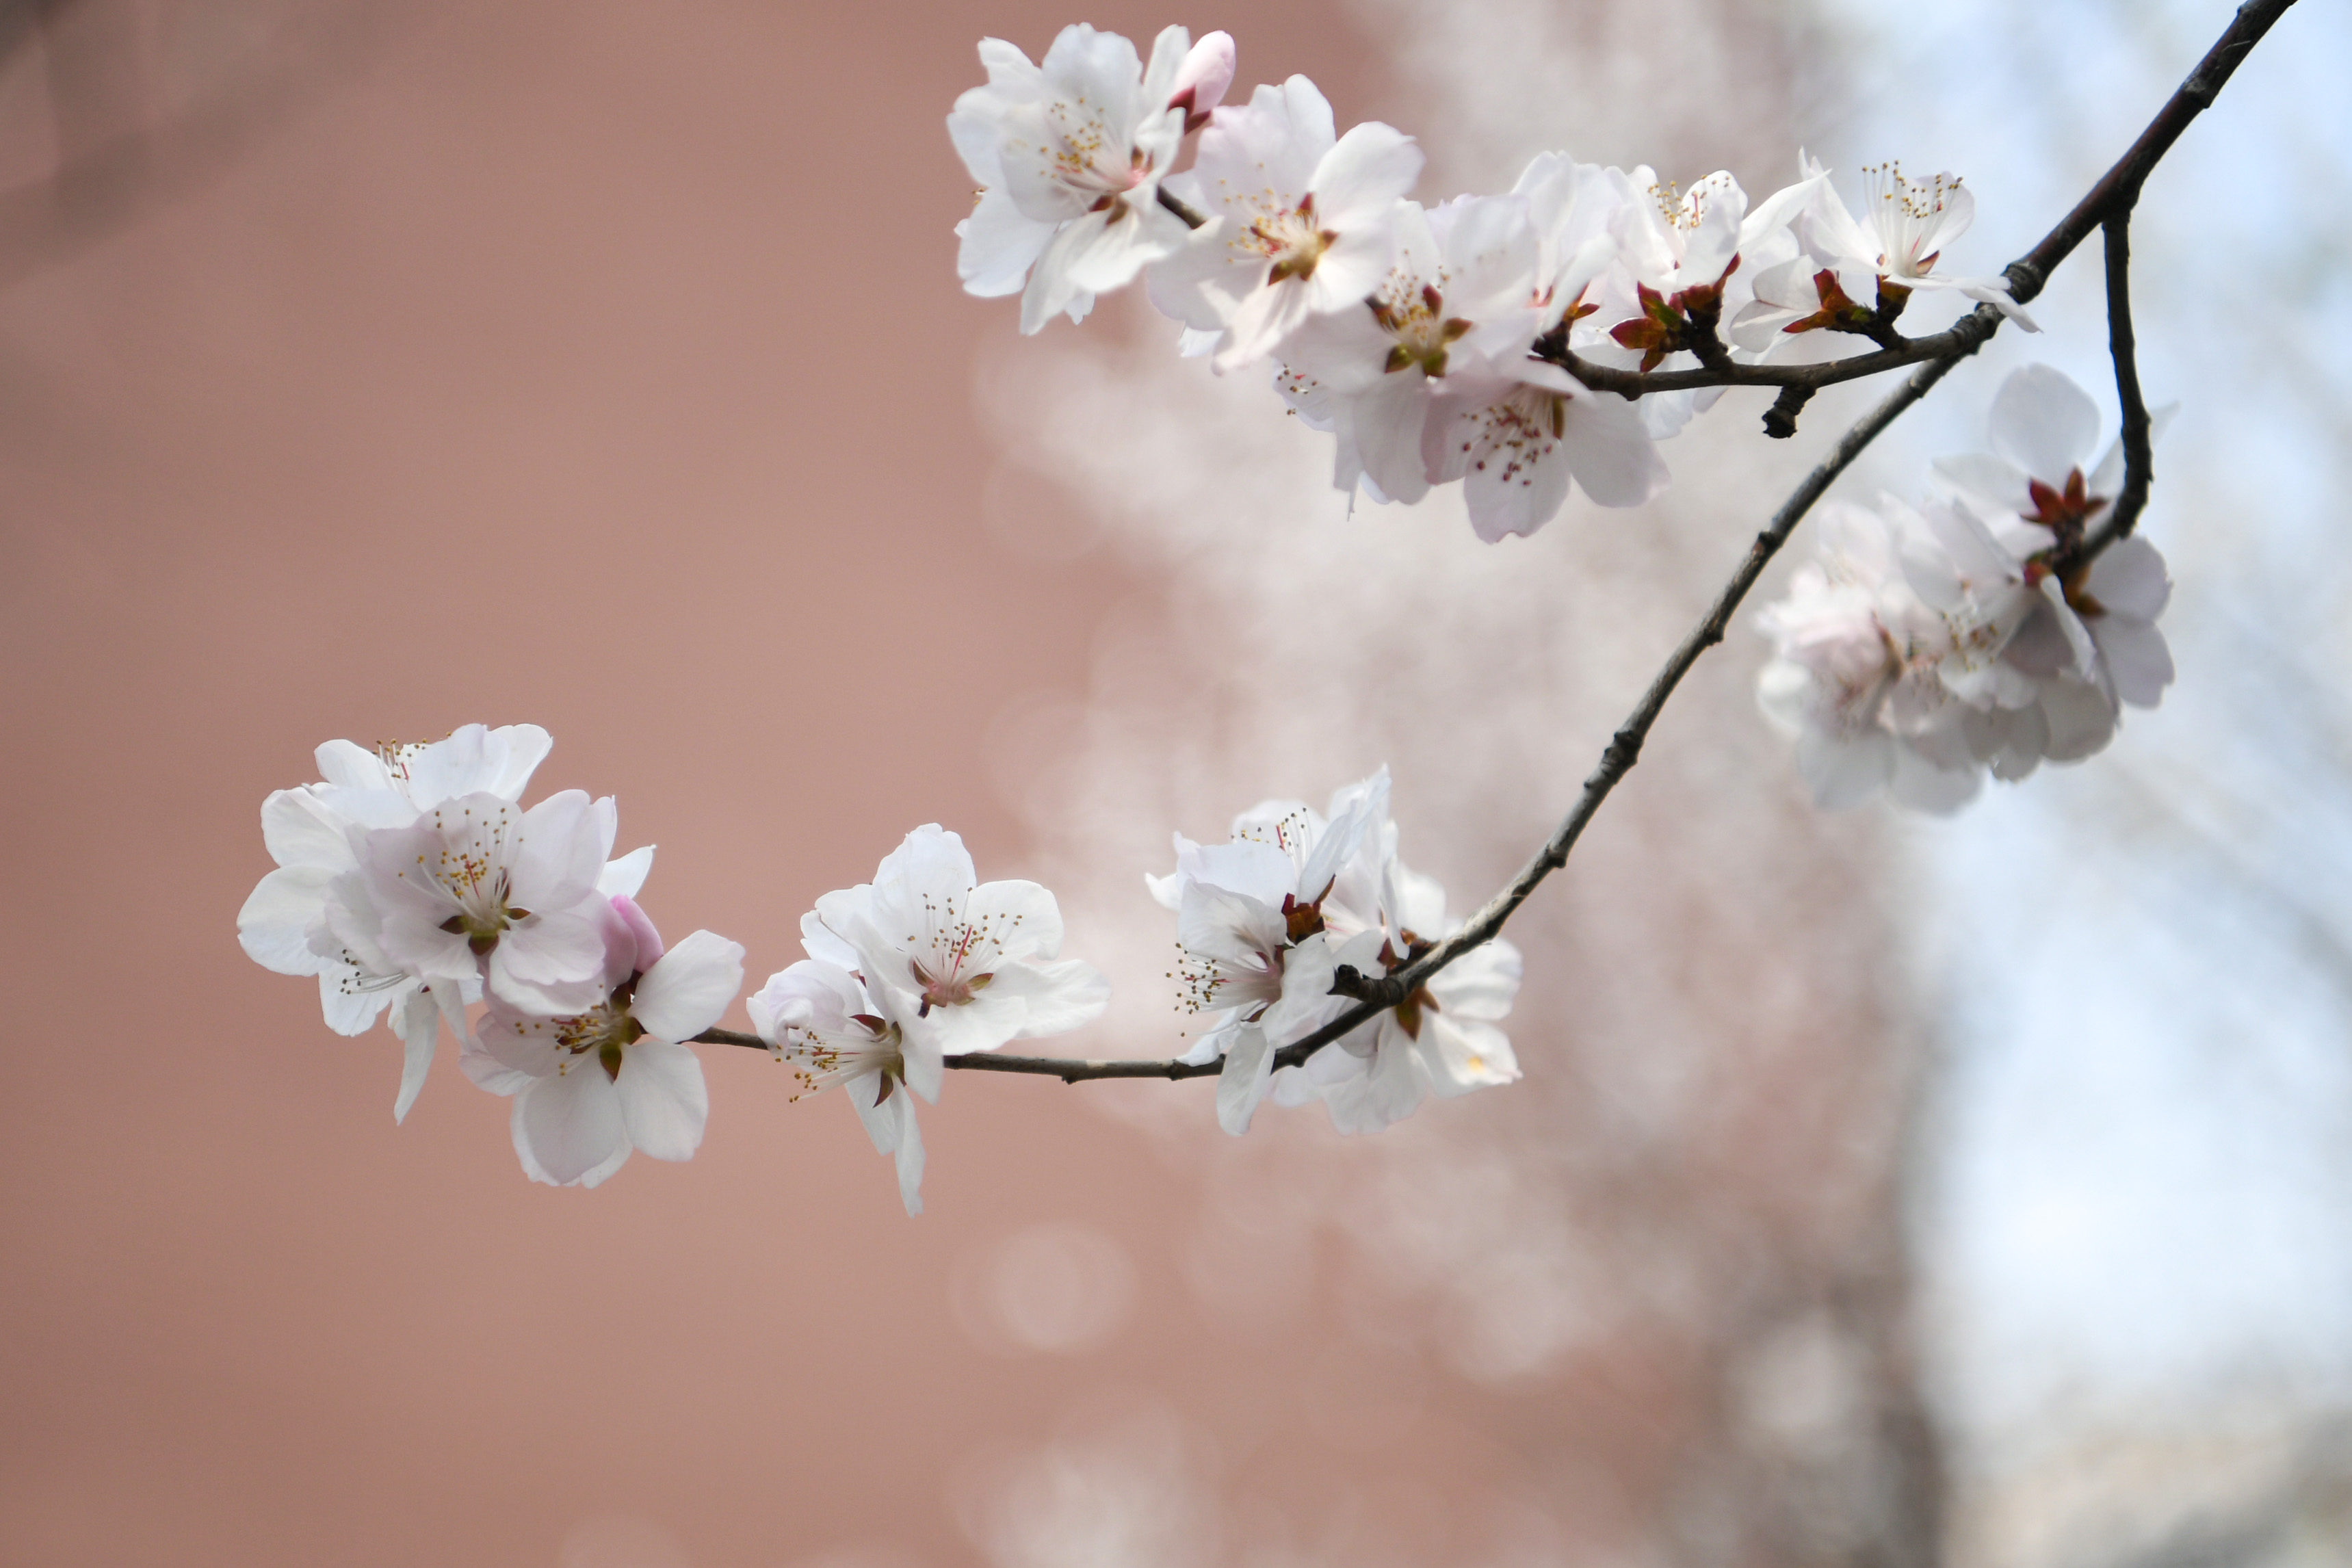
(1272, 142)
(527, 1043)
(1364, 175)
(982, 1024)
(1386, 419)
(2084, 652)
(1202, 78)
(975, 126)
(2128, 578)
(516, 751)
(1482, 983)
(1996, 479)
(1057, 997)
(926, 1072)
(350, 766)
(1610, 451)
(664, 1101)
(2043, 423)
(931, 860)
(1268, 314)
(1248, 867)
(350, 1005)
(1241, 1082)
(2079, 717)
(452, 766)
(1354, 266)
(1779, 209)
(1203, 284)
(1515, 487)
(2138, 661)
(1051, 289)
(1008, 69)
(486, 1071)
(879, 1110)
(811, 993)
(1107, 255)
(299, 829)
(568, 1127)
(275, 924)
(1229, 927)
(642, 944)
(1021, 915)
(998, 244)
(417, 1020)
(560, 848)
(911, 1157)
(822, 941)
(690, 988)
(557, 957)
(626, 877)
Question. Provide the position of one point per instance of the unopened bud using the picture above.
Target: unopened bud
(1202, 79)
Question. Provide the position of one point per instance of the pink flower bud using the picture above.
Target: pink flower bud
(635, 931)
(1202, 79)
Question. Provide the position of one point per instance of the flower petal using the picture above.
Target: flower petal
(568, 1127)
(688, 988)
(2043, 423)
(664, 1101)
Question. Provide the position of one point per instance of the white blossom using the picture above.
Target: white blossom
(1433, 380)
(1069, 155)
(1856, 675)
(817, 1017)
(309, 832)
(1263, 923)
(1685, 267)
(1442, 1040)
(477, 886)
(959, 964)
(1852, 274)
(1300, 222)
(591, 1087)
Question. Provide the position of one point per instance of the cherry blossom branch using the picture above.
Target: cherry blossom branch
(2107, 206)
(1624, 749)
(2116, 194)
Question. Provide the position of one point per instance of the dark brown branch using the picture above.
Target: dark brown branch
(2139, 455)
(1965, 336)
(2108, 203)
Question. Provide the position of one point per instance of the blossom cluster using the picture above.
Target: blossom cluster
(1430, 341)
(1928, 646)
(411, 880)
(1265, 921)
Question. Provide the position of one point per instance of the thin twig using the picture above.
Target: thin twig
(2139, 455)
(1175, 203)
(1068, 1069)
(2109, 204)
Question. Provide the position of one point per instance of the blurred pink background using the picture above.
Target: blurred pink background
(597, 365)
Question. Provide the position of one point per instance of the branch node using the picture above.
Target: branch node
(1348, 981)
(1780, 419)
